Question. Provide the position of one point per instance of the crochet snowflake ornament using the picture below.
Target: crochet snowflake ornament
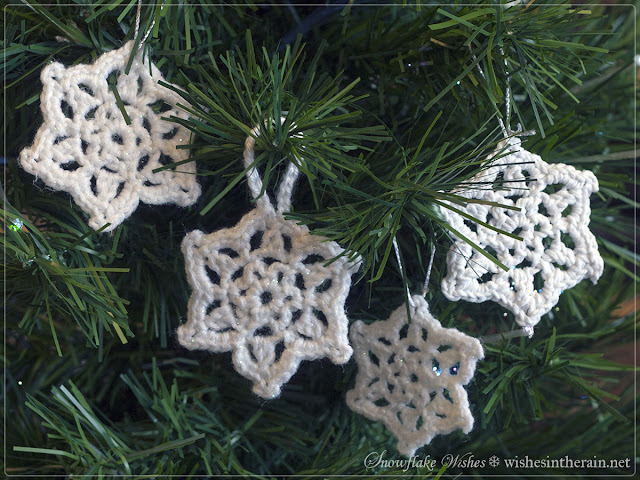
(411, 375)
(262, 290)
(557, 250)
(85, 146)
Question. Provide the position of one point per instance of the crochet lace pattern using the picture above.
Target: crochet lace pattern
(85, 146)
(557, 250)
(262, 289)
(411, 375)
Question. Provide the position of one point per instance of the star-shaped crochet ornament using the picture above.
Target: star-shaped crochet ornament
(262, 289)
(87, 148)
(411, 375)
(557, 250)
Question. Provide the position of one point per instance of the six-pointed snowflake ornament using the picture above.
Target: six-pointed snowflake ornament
(557, 250)
(87, 148)
(263, 290)
(411, 375)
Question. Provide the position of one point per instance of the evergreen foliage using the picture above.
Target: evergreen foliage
(387, 114)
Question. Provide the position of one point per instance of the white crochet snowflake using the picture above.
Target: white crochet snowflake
(262, 290)
(411, 375)
(557, 250)
(86, 148)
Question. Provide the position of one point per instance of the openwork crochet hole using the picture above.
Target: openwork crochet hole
(238, 274)
(567, 239)
(374, 359)
(524, 264)
(214, 276)
(170, 135)
(266, 298)
(67, 111)
(542, 210)
(113, 76)
(538, 282)
(165, 159)
(445, 394)
(71, 166)
(142, 162)
(229, 251)
(85, 88)
(91, 113)
(313, 258)
(567, 211)
(160, 106)
(471, 225)
(324, 286)
(404, 331)
(485, 277)
(212, 306)
(286, 243)
(552, 188)
(263, 332)
(256, 240)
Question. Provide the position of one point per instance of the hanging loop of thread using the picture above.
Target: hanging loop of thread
(506, 129)
(507, 94)
(137, 27)
(397, 250)
(425, 287)
(254, 180)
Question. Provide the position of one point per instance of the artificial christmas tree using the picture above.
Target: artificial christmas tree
(394, 110)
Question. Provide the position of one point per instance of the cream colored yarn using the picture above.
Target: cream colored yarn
(85, 147)
(261, 290)
(557, 252)
(411, 375)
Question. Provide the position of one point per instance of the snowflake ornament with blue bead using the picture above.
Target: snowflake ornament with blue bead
(411, 375)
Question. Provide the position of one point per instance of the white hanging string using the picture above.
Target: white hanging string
(506, 129)
(397, 250)
(502, 126)
(507, 93)
(425, 287)
(254, 180)
(137, 27)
